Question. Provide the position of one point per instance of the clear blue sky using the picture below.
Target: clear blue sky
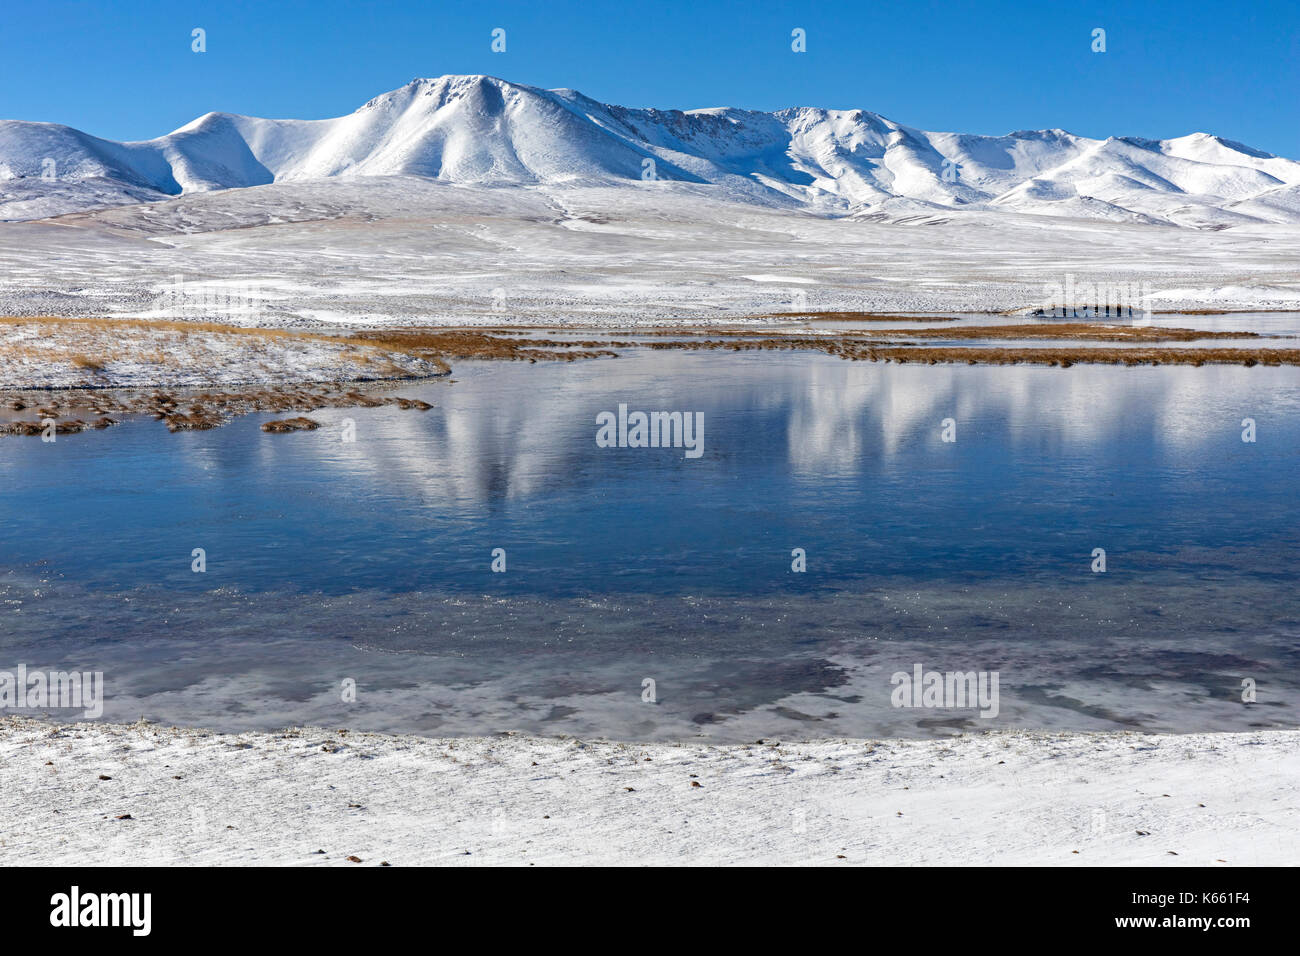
(125, 70)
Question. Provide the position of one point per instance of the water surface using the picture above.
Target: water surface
(371, 560)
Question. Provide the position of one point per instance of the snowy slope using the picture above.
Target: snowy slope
(485, 131)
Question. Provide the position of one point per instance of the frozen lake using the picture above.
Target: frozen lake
(371, 561)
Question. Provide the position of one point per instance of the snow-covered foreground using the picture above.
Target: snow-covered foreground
(119, 794)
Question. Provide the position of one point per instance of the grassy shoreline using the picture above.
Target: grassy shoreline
(146, 366)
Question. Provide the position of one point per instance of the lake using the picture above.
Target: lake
(371, 561)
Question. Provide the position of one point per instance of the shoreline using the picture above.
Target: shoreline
(136, 794)
(105, 362)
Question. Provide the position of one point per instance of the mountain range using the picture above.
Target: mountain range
(484, 131)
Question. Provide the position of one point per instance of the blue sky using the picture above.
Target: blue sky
(126, 71)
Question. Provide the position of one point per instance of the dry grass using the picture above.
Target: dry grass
(70, 427)
(190, 410)
(1066, 330)
(875, 351)
(1080, 331)
(1231, 311)
(86, 362)
(300, 424)
(476, 344)
(1086, 356)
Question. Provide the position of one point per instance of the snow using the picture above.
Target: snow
(999, 798)
(487, 131)
(1272, 296)
(414, 250)
(42, 356)
(471, 200)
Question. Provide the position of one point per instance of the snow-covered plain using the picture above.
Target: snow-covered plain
(408, 250)
(999, 798)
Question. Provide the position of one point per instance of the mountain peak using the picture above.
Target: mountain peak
(450, 82)
(476, 129)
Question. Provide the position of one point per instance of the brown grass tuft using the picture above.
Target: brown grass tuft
(300, 424)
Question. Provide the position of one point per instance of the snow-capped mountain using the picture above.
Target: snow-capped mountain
(484, 131)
